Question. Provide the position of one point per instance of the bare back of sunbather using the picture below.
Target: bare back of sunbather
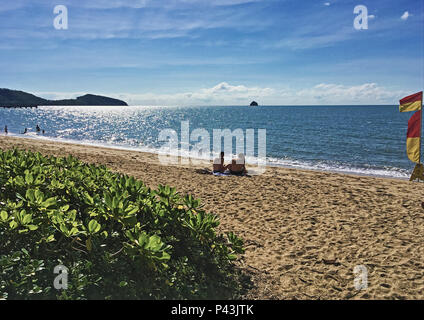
(236, 168)
(218, 164)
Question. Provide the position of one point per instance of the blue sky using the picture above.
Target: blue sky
(216, 52)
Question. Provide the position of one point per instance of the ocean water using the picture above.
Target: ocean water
(366, 140)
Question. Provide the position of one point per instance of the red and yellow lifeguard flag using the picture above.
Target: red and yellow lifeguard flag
(413, 137)
(411, 103)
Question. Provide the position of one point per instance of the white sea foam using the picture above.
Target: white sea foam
(388, 172)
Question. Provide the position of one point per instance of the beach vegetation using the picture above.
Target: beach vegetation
(118, 238)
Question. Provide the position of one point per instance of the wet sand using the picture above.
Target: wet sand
(304, 231)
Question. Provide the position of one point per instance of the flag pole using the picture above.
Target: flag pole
(421, 125)
(421, 132)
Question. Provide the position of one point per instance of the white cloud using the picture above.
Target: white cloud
(224, 88)
(367, 93)
(107, 4)
(227, 94)
(371, 16)
(312, 40)
(133, 19)
(221, 94)
(405, 15)
(327, 4)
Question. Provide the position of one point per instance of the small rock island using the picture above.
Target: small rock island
(253, 104)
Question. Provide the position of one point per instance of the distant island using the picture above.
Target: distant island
(14, 98)
(253, 104)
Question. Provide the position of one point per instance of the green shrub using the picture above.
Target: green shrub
(118, 238)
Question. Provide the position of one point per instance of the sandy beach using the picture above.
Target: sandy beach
(304, 231)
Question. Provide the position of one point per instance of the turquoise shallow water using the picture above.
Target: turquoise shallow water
(355, 139)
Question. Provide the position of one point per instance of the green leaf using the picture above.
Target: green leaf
(93, 226)
(49, 202)
(39, 196)
(129, 235)
(30, 195)
(13, 224)
(88, 198)
(108, 199)
(232, 257)
(64, 229)
(73, 231)
(27, 219)
(164, 256)
(4, 215)
(29, 178)
(19, 180)
(50, 238)
(142, 239)
(131, 210)
(154, 243)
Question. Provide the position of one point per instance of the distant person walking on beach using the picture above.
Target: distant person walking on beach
(37, 128)
(25, 131)
(5, 130)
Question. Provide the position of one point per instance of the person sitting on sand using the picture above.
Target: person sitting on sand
(37, 128)
(238, 167)
(218, 164)
(25, 131)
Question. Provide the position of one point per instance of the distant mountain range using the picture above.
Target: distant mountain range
(14, 98)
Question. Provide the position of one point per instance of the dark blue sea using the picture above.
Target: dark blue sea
(366, 140)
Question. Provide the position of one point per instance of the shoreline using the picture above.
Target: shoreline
(156, 153)
(304, 231)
